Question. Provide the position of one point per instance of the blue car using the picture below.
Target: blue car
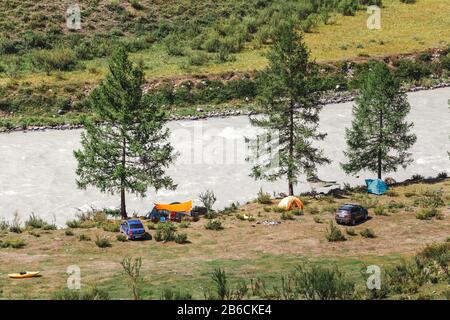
(133, 229)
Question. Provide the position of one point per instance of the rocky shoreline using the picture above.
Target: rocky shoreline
(329, 98)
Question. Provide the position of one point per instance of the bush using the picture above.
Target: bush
(442, 175)
(380, 211)
(68, 233)
(93, 293)
(132, 269)
(428, 214)
(15, 243)
(62, 59)
(34, 222)
(263, 197)
(317, 219)
(83, 237)
(334, 234)
(174, 46)
(431, 199)
(14, 226)
(102, 242)
(312, 210)
(197, 58)
(316, 282)
(181, 238)
(121, 238)
(151, 226)
(368, 233)
(111, 226)
(286, 216)
(214, 225)
(185, 224)
(411, 70)
(169, 294)
(350, 232)
(4, 226)
(165, 232)
(297, 212)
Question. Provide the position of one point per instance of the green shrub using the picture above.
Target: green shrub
(4, 226)
(380, 211)
(68, 233)
(181, 238)
(286, 216)
(102, 242)
(197, 58)
(297, 212)
(263, 197)
(214, 225)
(151, 226)
(350, 232)
(165, 232)
(34, 222)
(121, 238)
(368, 233)
(185, 224)
(428, 214)
(93, 293)
(267, 209)
(313, 210)
(169, 294)
(334, 234)
(317, 282)
(15, 243)
(111, 226)
(62, 59)
(35, 234)
(14, 226)
(83, 237)
(431, 199)
(411, 70)
(174, 46)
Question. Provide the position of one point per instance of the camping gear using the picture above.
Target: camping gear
(199, 211)
(291, 202)
(174, 211)
(176, 207)
(376, 186)
(24, 274)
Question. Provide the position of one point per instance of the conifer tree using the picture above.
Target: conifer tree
(288, 107)
(380, 137)
(127, 150)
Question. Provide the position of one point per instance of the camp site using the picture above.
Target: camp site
(224, 150)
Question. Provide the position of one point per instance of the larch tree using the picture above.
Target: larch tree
(127, 150)
(379, 138)
(288, 107)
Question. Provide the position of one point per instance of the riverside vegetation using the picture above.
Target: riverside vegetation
(207, 52)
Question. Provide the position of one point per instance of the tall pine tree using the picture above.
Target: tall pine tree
(288, 107)
(127, 151)
(380, 137)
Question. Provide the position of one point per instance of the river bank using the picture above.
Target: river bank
(333, 97)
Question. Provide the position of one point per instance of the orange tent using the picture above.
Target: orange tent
(177, 207)
(291, 202)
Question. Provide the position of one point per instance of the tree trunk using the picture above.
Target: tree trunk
(291, 147)
(123, 207)
(380, 141)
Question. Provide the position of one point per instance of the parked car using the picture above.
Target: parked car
(350, 214)
(133, 229)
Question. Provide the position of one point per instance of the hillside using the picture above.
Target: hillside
(45, 68)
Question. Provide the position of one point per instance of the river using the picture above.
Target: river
(37, 169)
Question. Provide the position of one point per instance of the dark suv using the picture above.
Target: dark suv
(350, 214)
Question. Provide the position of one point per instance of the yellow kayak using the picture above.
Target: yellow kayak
(28, 274)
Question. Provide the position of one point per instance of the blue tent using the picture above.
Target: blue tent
(376, 186)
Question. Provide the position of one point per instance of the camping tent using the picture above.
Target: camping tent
(174, 211)
(291, 202)
(175, 207)
(376, 186)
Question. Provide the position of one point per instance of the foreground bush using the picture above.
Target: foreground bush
(165, 232)
(214, 225)
(93, 293)
(15, 243)
(102, 242)
(334, 234)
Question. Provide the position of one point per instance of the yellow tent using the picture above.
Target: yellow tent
(177, 207)
(291, 202)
